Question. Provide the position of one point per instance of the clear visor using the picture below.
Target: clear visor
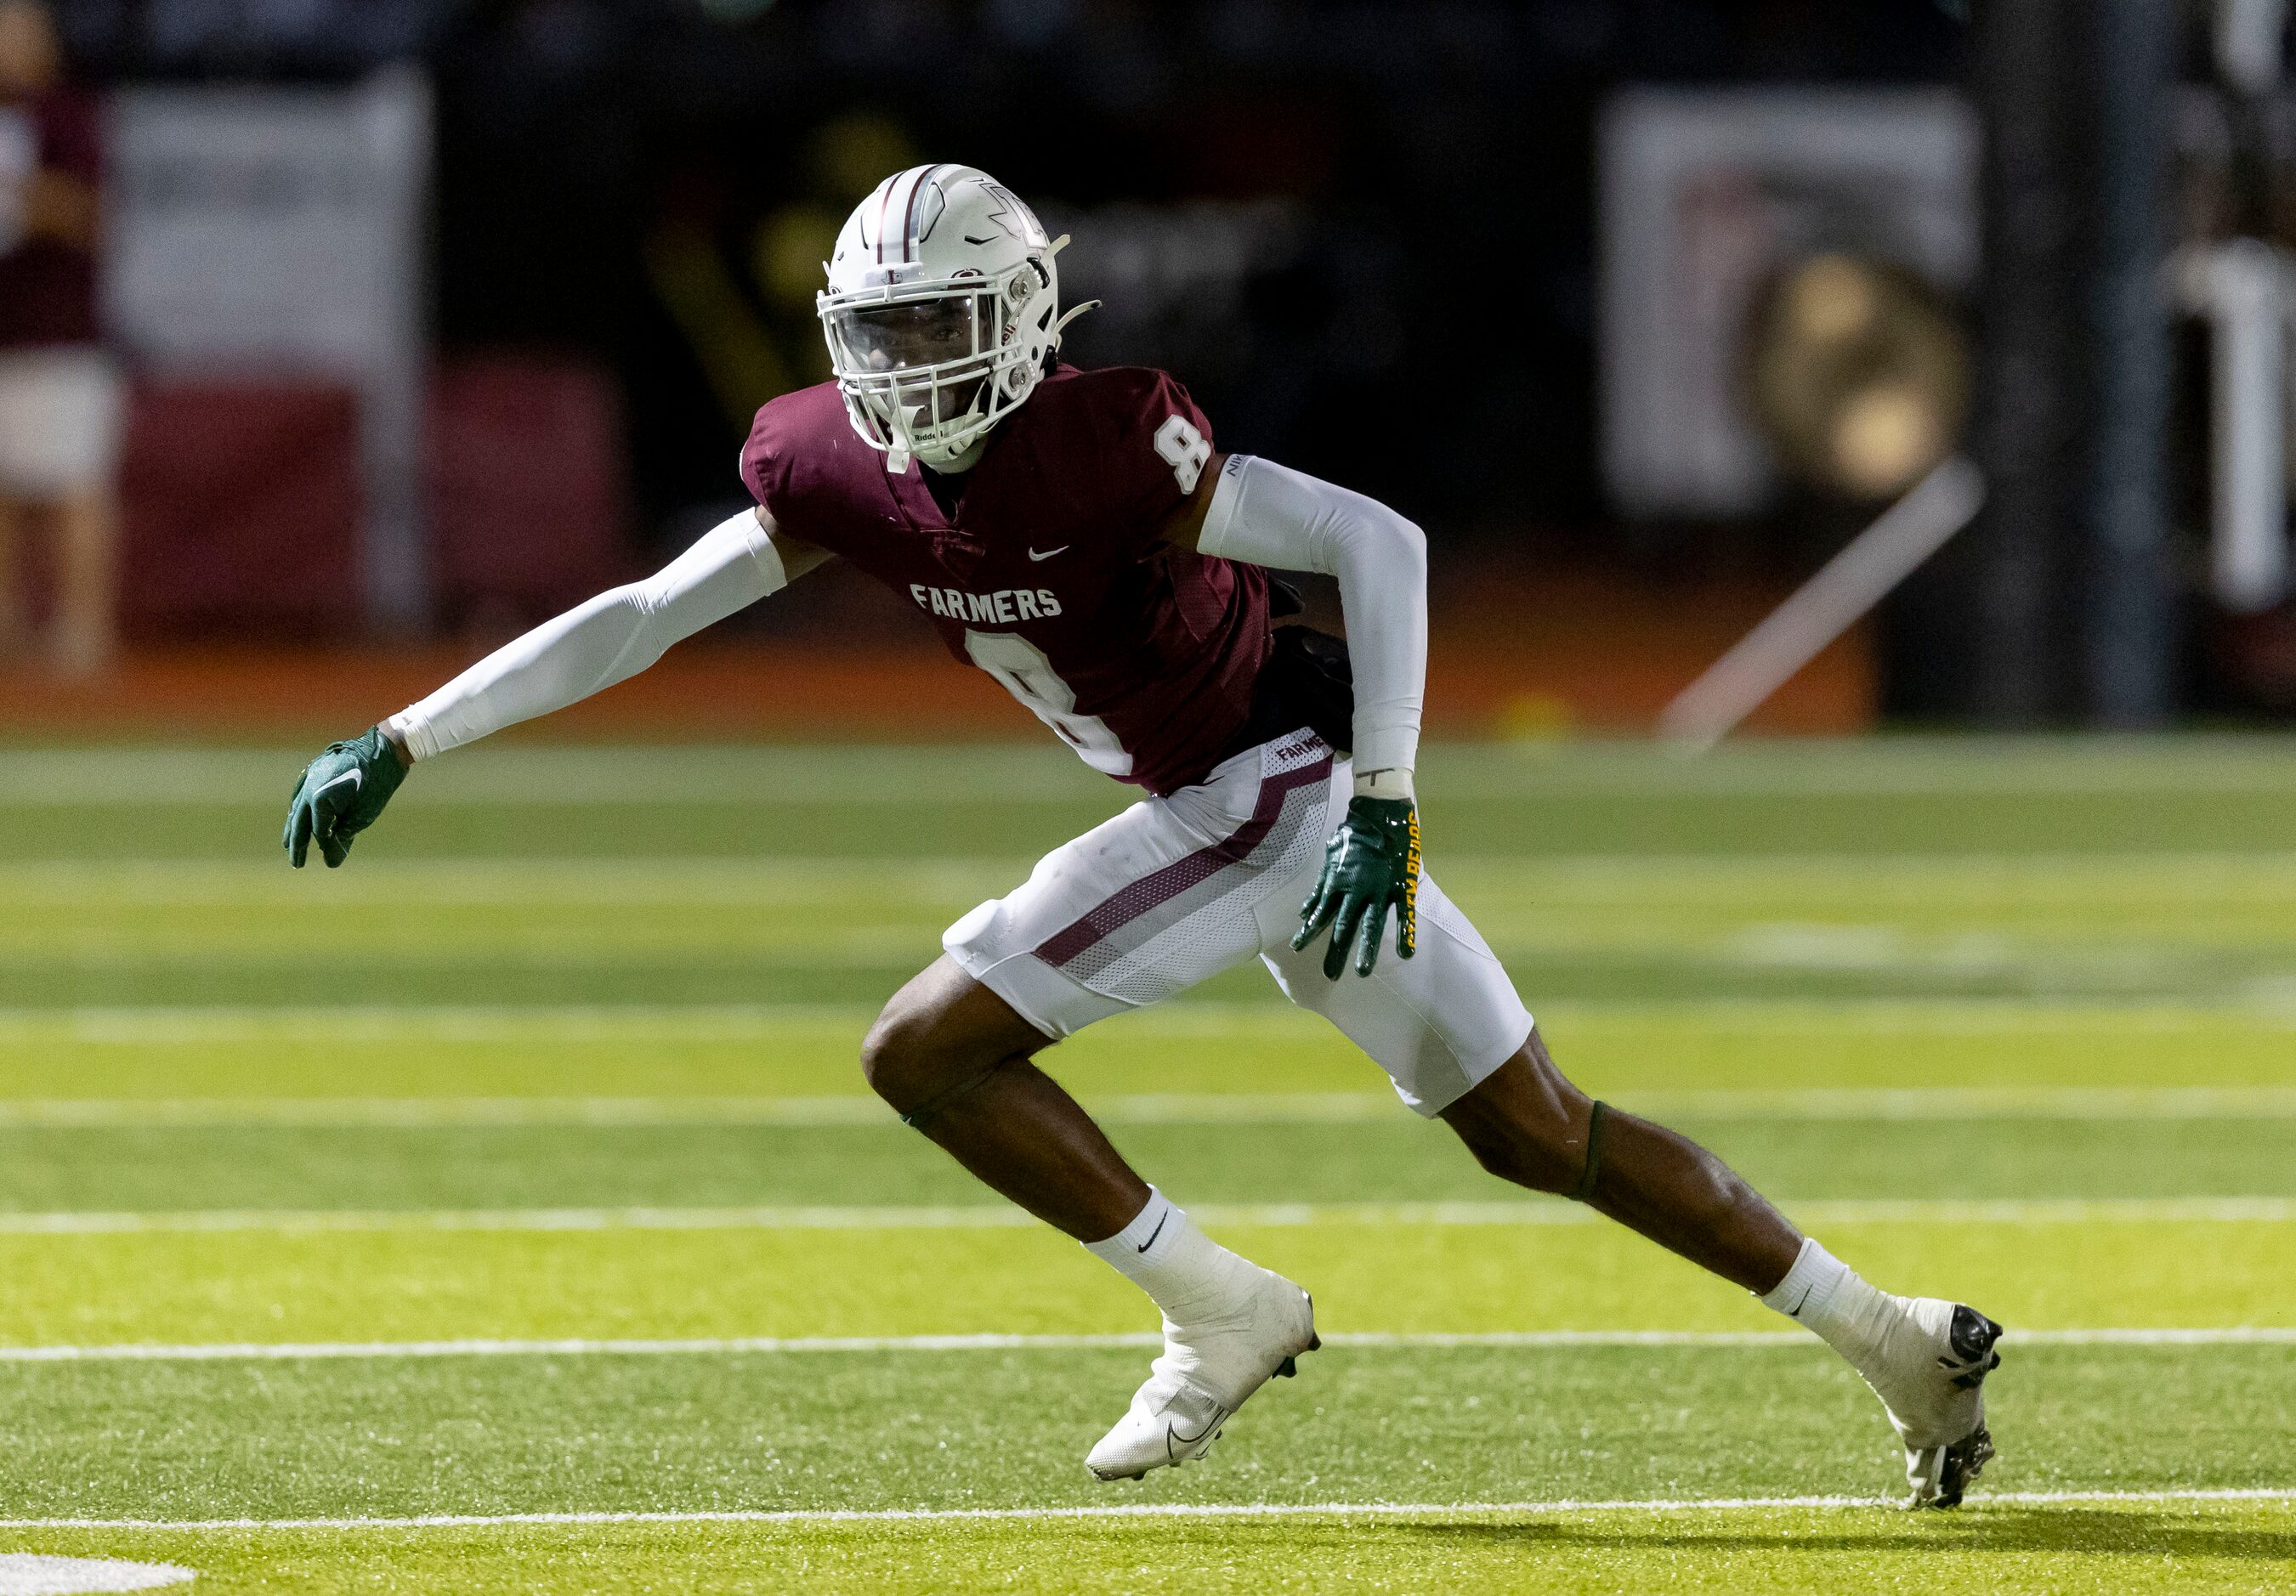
(904, 337)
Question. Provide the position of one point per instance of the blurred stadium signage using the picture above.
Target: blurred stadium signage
(279, 231)
(1173, 280)
(1715, 205)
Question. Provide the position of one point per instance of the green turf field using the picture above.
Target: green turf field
(504, 1211)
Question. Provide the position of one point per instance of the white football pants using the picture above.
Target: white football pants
(1178, 888)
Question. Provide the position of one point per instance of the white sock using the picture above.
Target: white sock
(1182, 1269)
(1824, 1294)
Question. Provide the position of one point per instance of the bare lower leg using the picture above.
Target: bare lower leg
(1022, 1133)
(1662, 1185)
(953, 1057)
(1528, 1123)
(87, 581)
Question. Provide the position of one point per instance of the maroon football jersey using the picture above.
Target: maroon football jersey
(1050, 576)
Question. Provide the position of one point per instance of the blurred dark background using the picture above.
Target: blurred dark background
(1363, 233)
(1646, 308)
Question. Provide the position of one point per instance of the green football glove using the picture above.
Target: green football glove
(1371, 865)
(340, 796)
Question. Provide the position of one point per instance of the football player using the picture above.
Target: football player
(1077, 534)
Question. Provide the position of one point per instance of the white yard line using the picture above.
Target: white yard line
(2220, 1210)
(988, 771)
(2255, 877)
(1325, 1510)
(200, 1024)
(660, 1112)
(493, 777)
(292, 1221)
(747, 1346)
(426, 1113)
(2074, 1103)
(144, 776)
(197, 1024)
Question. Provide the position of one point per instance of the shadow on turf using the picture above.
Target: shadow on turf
(2021, 1529)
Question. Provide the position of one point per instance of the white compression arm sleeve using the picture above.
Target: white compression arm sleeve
(595, 645)
(1268, 515)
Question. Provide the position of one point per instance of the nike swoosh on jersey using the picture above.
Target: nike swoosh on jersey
(1048, 553)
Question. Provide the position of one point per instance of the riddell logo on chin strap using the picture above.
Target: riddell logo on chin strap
(1005, 605)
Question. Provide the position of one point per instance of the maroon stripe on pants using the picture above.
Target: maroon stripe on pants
(1112, 914)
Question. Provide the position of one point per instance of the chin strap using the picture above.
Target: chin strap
(1070, 316)
(1054, 248)
(966, 458)
(899, 450)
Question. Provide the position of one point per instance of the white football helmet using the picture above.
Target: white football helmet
(941, 314)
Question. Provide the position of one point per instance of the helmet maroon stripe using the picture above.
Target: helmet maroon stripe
(884, 205)
(910, 241)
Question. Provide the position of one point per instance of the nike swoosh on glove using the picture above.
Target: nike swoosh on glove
(341, 794)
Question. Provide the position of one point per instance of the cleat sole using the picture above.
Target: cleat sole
(1290, 1366)
(1964, 1460)
(1958, 1470)
(1970, 1339)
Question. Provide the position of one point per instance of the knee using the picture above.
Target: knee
(1491, 1147)
(901, 1058)
(922, 1044)
(940, 1031)
(1534, 1154)
(1527, 1125)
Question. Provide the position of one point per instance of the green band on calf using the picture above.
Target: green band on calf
(918, 1117)
(1594, 1171)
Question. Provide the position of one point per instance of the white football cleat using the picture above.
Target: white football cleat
(1938, 1356)
(1209, 1366)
